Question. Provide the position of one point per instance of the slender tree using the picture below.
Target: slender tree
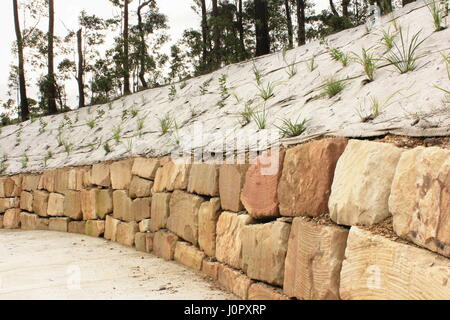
(205, 32)
(216, 31)
(262, 28)
(80, 81)
(287, 7)
(142, 44)
(345, 4)
(301, 21)
(333, 8)
(240, 26)
(24, 108)
(126, 49)
(51, 82)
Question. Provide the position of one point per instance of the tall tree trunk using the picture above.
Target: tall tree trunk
(289, 24)
(81, 101)
(240, 26)
(24, 108)
(262, 28)
(126, 62)
(205, 32)
(301, 21)
(51, 92)
(142, 45)
(333, 8)
(216, 33)
(345, 4)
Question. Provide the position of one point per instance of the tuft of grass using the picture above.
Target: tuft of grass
(4, 164)
(67, 147)
(134, 112)
(48, 157)
(290, 128)
(438, 11)
(224, 94)
(107, 148)
(333, 86)
(257, 73)
(129, 146)
(172, 92)
(25, 161)
(43, 125)
(100, 113)
(388, 39)
(368, 62)
(446, 59)
(311, 64)
(338, 55)
(166, 123)
(267, 91)
(291, 67)
(117, 133)
(260, 118)
(375, 107)
(403, 56)
(91, 123)
(204, 86)
(140, 123)
(247, 114)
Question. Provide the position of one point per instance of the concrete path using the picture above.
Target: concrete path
(53, 265)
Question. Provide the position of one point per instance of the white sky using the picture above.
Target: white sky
(179, 13)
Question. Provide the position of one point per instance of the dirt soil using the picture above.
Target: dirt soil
(48, 265)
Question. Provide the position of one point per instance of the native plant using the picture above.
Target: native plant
(91, 123)
(107, 148)
(4, 164)
(166, 123)
(374, 107)
(25, 161)
(368, 62)
(311, 64)
(257, 73)
(291, 66)
(266, 91)
(204, 86)
(333, 86)
(339, 55)
(247, 114)
(290, 128)
(438, 11)
(172, 92)
(117, 133)
(260, 118)
(388, 39)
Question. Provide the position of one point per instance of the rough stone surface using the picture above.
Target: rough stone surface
(95, 228)
(40, 202)
(420, 198)
(183, 218)
(160, 211)
(229, 238)
(204, 179)
(264, 248)
(164, 244)
(362, 183)
(144, 225)
(189, 255)
(43, 223)
(208, 215)
(55, 205)
(234, 281)
(308, 171)
(121, 174)
(145, 167)
(314, 260)
(96, 203)
(111, 225)
(58, 224)
(172, 176)
(72, 205)
(377, 268)
(1, 222)
(231, 182)
(77, 227)
(140, 242)
(140, 187)
(26, 201)
(8, 203)
(122, 206)
(47, 181)
(100, 175)
(149, 241)
(140, 208)
(30, 182)
(28, 221)
(259, 195)
(210, 268)
(10, 187)
(261, 291)
(11, 219)
(126, 232)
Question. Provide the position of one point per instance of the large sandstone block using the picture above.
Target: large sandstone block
(183, 218)
(160, 211)
(72, 205)
(122, 206)
(10, 187)
(261, 291)
(42, 224)
(362, 183)
(149, 241)
(211, 268)
(420, 198)
(1, 222)
(172, 176)
(126, 232)
(62, 180)
(95, 228)
(28, 221)
(140, 187)
(376, 268)
(204, 179)
(145, 167)
(231, 182)
(78, 178)
(100, 175)
(140, 208)
(121, 174)
(8, 203)
(189, 255)
(55, 205)
(47, 181)
(164, 244)
(58, 224)
(26, 201)
(259, 195)
(77, 227)
(96, 203)
(140, 242)
(40, 202)
(314, 260)
(229, 238)
(234, 281)
(264, 248)
(208, 215)
(308, 171)
(111, 226)
(11, 219)
(30, 182)
(144, 225)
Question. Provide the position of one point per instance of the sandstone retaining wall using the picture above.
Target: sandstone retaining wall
(336, 219)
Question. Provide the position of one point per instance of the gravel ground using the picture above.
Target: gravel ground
(53, 265)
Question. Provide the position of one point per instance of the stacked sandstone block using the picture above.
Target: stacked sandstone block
(300, 223)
